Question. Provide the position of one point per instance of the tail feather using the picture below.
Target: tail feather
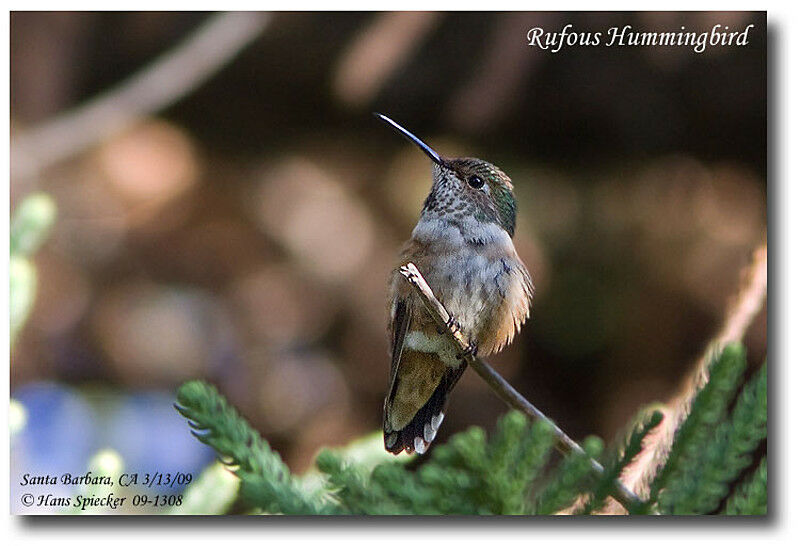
(417, 435)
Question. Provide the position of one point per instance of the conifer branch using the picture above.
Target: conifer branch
(708, 409)
(750, 498)
(501, 387)
(475, 474)
(743, 310)
(633, 446)
(570, 479)
(266, 482)
(705, 481)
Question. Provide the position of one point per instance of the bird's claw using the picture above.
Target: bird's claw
(448, 326)
(453, 324)
(471, 350)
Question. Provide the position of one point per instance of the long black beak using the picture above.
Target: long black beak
(410, 136)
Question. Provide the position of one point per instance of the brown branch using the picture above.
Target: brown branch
(378, 51)
(155, 87)
(500, 386)
(747, 304)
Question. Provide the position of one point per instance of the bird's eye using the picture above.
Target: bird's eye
(475, 181)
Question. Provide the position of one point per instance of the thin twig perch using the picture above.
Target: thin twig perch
(167, 79)
(500, 386)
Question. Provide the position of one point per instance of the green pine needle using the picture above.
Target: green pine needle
(266, 482)
(750, 498)
(468, 475)
(701, 486)
(572, 477)
(707, 410)
(612, 471)
(477, 474)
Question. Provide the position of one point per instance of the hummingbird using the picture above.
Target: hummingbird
(462, 245)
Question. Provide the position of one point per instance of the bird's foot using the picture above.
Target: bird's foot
(471, 350)
(453, 324)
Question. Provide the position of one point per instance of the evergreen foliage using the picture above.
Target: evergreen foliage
(704, 482)
(632, 448)
(750, 498)
(509, 472)
(266, 482)
(707, 409)
(212, 492)
(571, 479)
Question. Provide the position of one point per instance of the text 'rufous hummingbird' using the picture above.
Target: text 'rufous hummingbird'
(462, 246)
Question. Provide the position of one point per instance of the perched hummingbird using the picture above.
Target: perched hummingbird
(462, 246)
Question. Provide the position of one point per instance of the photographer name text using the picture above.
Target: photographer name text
(95, 490)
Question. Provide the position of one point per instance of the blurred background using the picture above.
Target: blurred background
(244, 233)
